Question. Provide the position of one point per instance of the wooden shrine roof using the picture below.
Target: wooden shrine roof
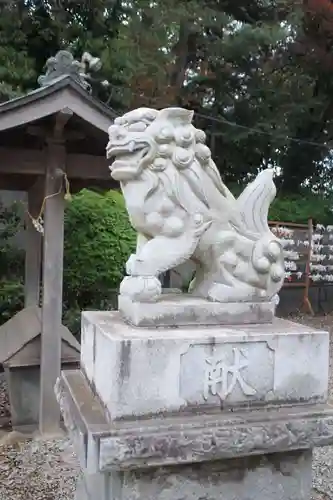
(45, 101)
(24, 122)
(23, 328)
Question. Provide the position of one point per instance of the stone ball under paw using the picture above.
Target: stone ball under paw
(141, 288)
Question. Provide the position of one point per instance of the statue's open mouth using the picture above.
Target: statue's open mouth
(127, 159)
(116, 150)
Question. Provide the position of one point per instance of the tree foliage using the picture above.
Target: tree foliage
(11, 263)
(301, 207)
(256, 73)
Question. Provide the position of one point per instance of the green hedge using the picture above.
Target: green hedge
(98, 241)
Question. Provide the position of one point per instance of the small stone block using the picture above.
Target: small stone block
(186, 310)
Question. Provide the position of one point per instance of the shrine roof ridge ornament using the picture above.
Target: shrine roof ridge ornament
(64, 64)
(67, 83)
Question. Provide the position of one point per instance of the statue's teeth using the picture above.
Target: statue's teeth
(132, 146)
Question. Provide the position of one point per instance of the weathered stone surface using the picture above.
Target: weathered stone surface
(73, 423)
(274, 477)
(208, 439)
(143, 371)
(182, 210)
(185, 310)
(190, 438)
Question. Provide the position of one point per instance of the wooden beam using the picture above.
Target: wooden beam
(306, 300)
(49, 415)
(21, 161)
(61, 120)
(31, 162)
(88, 167)
(33, 250)
(10, 182)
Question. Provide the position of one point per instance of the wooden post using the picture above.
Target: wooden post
(49, 416)
(306, 301)
(33, 251)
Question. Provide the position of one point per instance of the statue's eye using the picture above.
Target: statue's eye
(137, 127)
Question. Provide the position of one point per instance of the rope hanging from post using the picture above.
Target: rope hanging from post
(38, 221)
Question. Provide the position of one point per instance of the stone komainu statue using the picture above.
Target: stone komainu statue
(182, 210)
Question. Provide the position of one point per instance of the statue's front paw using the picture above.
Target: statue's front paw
(141, 288)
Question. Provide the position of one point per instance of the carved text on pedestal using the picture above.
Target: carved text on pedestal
(221, 378)
(233, 373)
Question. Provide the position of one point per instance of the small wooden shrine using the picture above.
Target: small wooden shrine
(51, 138)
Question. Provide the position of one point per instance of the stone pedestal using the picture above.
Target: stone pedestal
(197, 412)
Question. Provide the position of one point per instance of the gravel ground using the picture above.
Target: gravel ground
(48, 470)
(38, 470)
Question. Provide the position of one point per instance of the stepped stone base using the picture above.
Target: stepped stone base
(241, 455)
(201, 413)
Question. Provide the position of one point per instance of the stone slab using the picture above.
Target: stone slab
(185, 310)
(283, 476)
(274, 477)
(139, 371)
(187, 439)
